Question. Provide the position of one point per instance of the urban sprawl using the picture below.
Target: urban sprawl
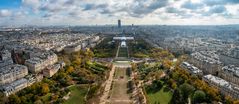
(28, 54)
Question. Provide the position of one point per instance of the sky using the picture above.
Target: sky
(101, 12)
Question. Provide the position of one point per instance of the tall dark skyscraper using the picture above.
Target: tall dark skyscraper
(119, 23)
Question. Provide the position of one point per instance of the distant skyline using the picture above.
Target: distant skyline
(101, 12)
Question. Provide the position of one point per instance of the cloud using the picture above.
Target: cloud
(106, 11)
(178, 13)
(155, 4)
(220, 2)
(94, 6)
(133, 8)
(142, 8)
(32, 4)
(5, 13)
(193, 6)
(51, 8)
(217, 9)
(174, 10)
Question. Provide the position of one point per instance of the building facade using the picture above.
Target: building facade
(224, 86)
(208, 62)
(119, 23)
(191, 68)
(230, 73)
(14, 87)
(12, 72)
(51, 70)
(37, 64)
(73, 48)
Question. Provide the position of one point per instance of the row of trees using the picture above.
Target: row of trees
(107, 48)
(161, 54)
(139, 48)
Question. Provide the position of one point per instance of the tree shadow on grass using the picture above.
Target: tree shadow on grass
(166, 89)
(151, 89)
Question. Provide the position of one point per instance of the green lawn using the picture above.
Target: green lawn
(160, 97)
(77, 94)
(123, 52)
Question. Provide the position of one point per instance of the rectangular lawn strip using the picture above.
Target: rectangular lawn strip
(77, 95)
(123, 52)
(161, 96)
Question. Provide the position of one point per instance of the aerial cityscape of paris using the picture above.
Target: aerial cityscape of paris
(119, 51)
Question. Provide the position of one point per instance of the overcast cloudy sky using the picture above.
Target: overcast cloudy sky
(91, 12)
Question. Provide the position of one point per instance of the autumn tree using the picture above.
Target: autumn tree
(174, 85)
(89, 54)
(167, 64)
(76, 61)
(228, 100)
(3, 98)
(161, 54)
(69, 69)
(14, 99)
(23, 99)
(38, 102)
(236, 102)
(134, 67)
(45, 88)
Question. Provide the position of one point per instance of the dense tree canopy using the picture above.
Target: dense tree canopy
(199, 96)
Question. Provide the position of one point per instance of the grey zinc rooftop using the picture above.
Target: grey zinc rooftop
(10, 68)
(208, 57)
(231, 69)
(34, 60)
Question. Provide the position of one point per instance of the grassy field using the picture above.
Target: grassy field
(77, 94)
(123, 52)
(162, 96)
